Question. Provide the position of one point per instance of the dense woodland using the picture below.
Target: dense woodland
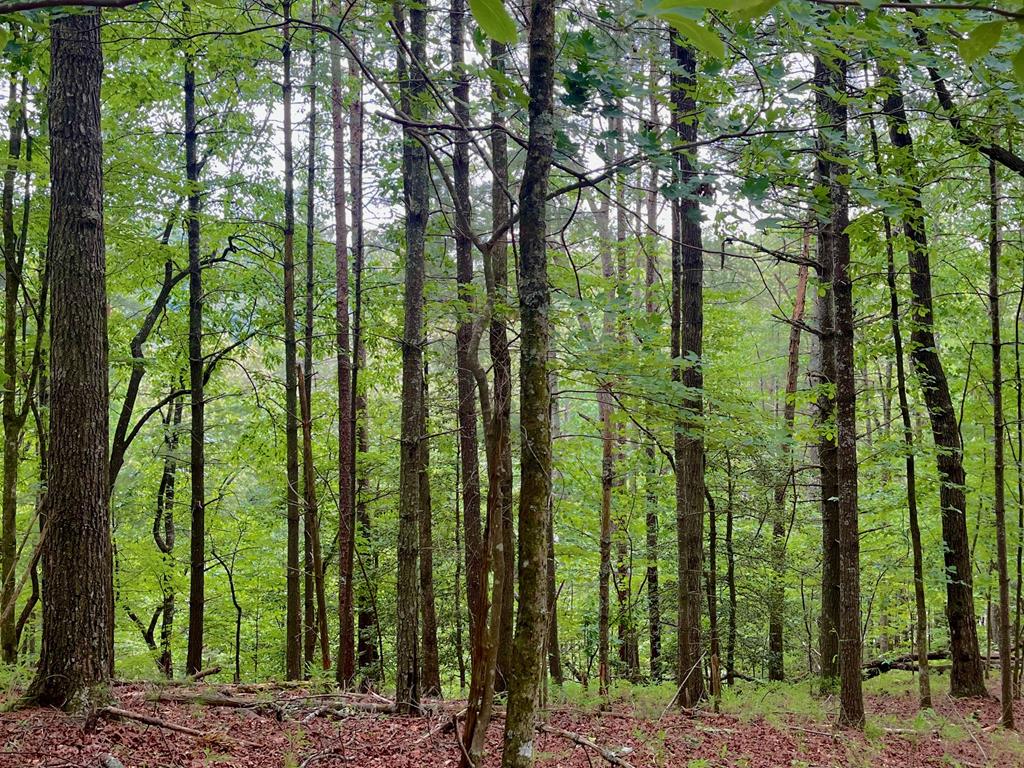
(435, 351)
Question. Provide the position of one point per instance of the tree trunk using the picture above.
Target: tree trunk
(730, 575)
(920, 606)
(777, 599)
(416, 180)
(293, 620)
(197, 430)
(966, 677)
(535, 413)
(164, 534)
(651, 477)
(999, 463)
(834, 242)
(430, 670)
(604, 407)
(465, 331)
(688, 322)
(828, 639)
(346, 670)
(77, 656)
(310, 524)
(12, 420)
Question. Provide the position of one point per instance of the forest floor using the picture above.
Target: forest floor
(758, 727)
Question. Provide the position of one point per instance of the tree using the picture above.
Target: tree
(687, 341)
(415, 181)
(535, 414)
(77, 658)
(293, 622)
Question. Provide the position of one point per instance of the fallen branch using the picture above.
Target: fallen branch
(583, 741)
(201, 674)
(123, 714)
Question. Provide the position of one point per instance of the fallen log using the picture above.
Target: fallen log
(123, 714)
(202, 673)
(583, 741)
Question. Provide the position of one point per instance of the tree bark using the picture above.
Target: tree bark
(535, 412)
(730, 575)
(416, 179)
(13, 421)
(967, 676)
(77, 656)
(197, 453)
(346, 670)
(688, 322)
(464, 332)
(833, 220)
(999, 462)
(430, 670)
(293, 619)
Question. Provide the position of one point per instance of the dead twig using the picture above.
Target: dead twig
(583, 741)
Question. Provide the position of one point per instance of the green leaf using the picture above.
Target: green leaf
(494, 20)
(980, 40)
(1018, 64)
(754, 11)
(702, 37)
(661, 7)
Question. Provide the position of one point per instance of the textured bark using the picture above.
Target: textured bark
(967, 676)
(651, 520)
(164, 534)
(316, 627)
(489, 612)
(197, 457)
(999, 458)
(346, 670)
(604, 408)
(310, 526)
(777, 598)
(77, 656)
(535, 414)
(920, 606)
(688, 322)
(828, 627)
(416, 179)
(293, 618)
(13, 415)
(464, 332)
(833, 220)
(430, 673)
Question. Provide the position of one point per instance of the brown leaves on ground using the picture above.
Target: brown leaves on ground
(961, 735)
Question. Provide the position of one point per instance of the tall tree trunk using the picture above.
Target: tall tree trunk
(651, 476)
(488, 625)
(966, 676)
(777, 599)
(164, 534)
(197, 430)
(12, 420)
(430, 667)
(77, 658)
(535, 412)
(346, 670)
(830, 79)
(310, 525)
(999, 463)
(714, 641)
(293, 619)
(317, 618)
(688, 321)
(416, 180)
(828, 628)
(465, 331)
(920, 606)
(730, 574)
(604, 407)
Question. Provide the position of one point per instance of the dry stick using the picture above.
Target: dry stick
(970, 731)
(583, 741)
(124, 714)
(203, 673)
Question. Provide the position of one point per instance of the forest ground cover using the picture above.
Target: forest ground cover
(757, 727)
